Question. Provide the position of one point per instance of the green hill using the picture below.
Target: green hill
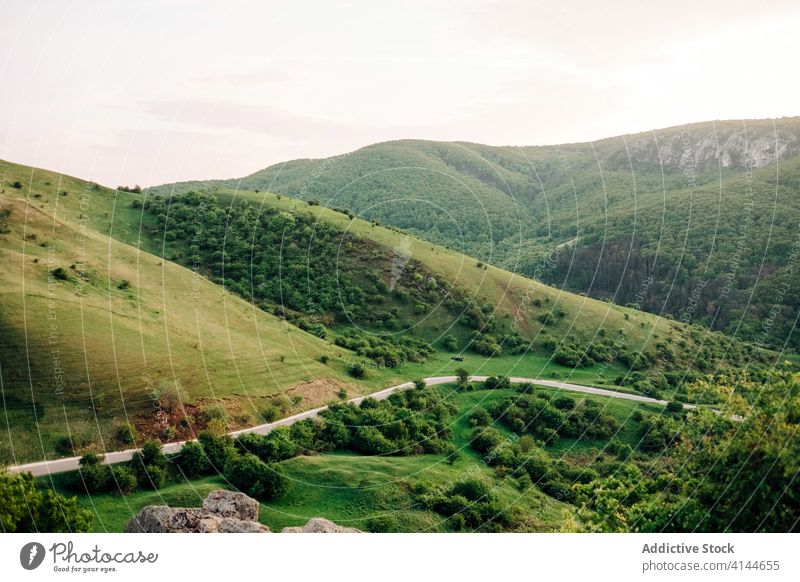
(96, 334)
(167, 312)
(696, 221)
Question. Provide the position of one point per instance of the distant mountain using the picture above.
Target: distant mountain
(698, 222)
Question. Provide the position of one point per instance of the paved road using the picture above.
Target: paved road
(71, 463)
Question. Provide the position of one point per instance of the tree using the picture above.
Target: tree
(25, 508)
(255, 478)
(462, 375)
(450, 343)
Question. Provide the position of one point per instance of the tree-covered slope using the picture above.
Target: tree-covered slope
(694, 221)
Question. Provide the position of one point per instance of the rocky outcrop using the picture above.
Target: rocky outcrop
(320, 525)
(222, 512)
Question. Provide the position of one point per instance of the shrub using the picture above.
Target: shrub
(324, 358)
(485, 439)
(497, 383)
(60, 273)
(126, 434)
(270, 413)
(149, 465)
(564, 403)
(358, 371)
(64, 445)
(480, 417)
(123, 481)
(93, 477)
(255, 478)
(16, 184)
(472, 489)
(370, 440)
(450, 343)
(26, 508)
(192, 460)
(218, 448)
(674, 407)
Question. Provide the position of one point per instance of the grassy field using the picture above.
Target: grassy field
(372, 492)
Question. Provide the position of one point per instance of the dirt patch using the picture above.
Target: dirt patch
(171, 423)
(319, 392)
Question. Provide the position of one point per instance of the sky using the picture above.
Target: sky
(151, 92)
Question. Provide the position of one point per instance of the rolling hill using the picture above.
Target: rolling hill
(163, 313)
(697, 222)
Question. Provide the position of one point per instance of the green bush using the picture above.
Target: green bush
(126, 434)
(674, 407)
(149, 465)
(218, 448)
(64, 445)
(358, 371)
(192, 460)
(255, 478)
(26, 508)
(123, 481)
(485, 439)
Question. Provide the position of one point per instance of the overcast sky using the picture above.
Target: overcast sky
(157, 91)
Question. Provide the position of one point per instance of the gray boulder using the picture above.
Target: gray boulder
(231, 504)
(320, 525)
(222, 512)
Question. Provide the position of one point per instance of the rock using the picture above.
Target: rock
(320, 525)
(222, 512)
(231, 504)
(230, 525)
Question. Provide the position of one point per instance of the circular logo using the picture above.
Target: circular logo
(31, 555)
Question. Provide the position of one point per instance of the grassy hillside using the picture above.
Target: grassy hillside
(96, 334)
(276, 304)
(672, 219)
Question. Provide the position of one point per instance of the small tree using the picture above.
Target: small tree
(462, 375)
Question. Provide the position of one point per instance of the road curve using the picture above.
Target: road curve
(41, 468)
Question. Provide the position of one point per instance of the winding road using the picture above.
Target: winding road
(41, 468)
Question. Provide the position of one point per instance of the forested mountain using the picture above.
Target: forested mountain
(698, 222)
